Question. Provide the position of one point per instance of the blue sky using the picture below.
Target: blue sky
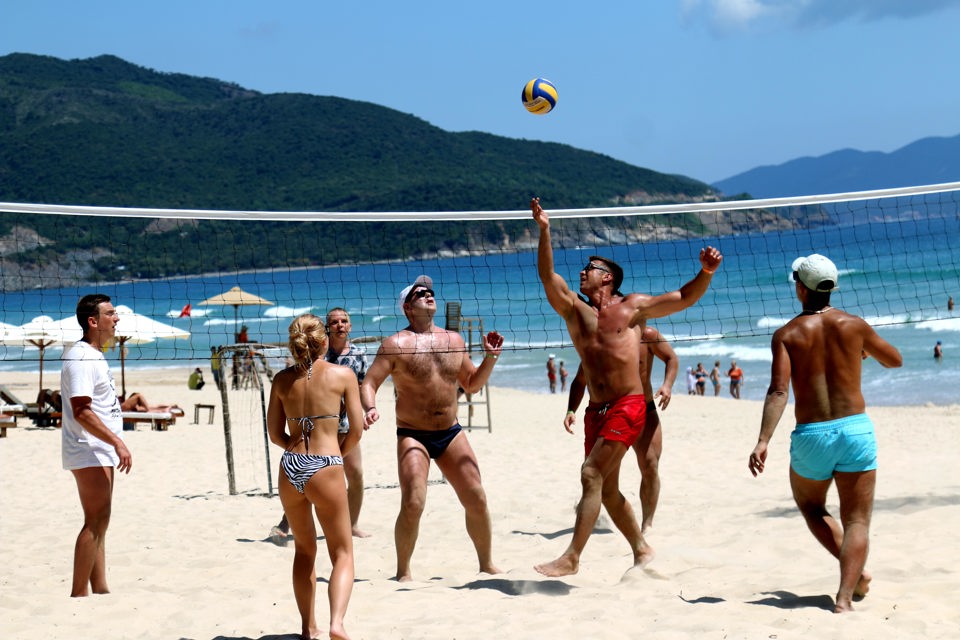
(704, 88)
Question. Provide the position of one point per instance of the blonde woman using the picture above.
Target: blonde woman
(303, 419)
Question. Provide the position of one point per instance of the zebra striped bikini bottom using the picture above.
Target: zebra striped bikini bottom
(300, 467)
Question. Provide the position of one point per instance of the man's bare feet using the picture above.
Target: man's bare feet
(360, 533)
(643, 556)
(843, 606)
(337, 632)
(311, 634)
(562, 566)
(863, 586)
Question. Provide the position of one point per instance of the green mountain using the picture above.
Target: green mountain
(105, 132)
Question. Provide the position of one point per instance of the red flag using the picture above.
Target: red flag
(185, 311)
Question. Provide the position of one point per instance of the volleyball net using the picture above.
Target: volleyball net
(896, 250)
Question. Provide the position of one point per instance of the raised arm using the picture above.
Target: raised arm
(674, 301)
(472, 378)
(559, 295)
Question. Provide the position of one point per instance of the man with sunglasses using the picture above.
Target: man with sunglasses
(606, 330)
(428, 365)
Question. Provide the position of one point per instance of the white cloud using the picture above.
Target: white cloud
(725, 16)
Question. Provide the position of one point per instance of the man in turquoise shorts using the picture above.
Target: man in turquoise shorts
(820, 353)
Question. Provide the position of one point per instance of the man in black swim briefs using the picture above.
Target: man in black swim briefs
(428, 365)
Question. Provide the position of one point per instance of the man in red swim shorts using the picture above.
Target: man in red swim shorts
(606, 330)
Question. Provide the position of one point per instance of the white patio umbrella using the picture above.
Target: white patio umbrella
(139, 329)
(43, 332)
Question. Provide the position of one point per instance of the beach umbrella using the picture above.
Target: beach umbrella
(235, 297)
(43, 332)
(136, 328)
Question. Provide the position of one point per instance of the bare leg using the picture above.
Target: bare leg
(327, 491)
(413, 465)
(353, 468)
(298, 511)
(460, 468)
(95, 486)
(850, 547)
(624, 519)
(856, 508)
(648, 447)
(603, 459)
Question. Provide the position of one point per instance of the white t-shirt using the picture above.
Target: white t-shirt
(85, 373)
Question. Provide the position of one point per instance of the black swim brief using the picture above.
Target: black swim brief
(435, 442)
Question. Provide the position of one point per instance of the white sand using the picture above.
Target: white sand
(734, 559)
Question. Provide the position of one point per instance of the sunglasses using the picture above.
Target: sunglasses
(421, 293)
(590, 266)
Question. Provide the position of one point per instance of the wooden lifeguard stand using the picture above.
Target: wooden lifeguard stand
(472, 330)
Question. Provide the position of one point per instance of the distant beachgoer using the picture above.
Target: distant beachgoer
(701, 376)
(216, 363)
(938, 352)
(819, 353)
(691, 382)
(195, 381)
(552, 373)
(715, 378)
(92, 438)
(303, 418)
(563, 376)
(950, 303)
(735, 374)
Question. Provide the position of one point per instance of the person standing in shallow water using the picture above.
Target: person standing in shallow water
(820, 354)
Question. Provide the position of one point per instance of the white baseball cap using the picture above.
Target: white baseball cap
(424, 281)
(816, 272)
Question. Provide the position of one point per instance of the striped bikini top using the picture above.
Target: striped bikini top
(306, 426)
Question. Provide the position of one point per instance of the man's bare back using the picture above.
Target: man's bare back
(824, 350)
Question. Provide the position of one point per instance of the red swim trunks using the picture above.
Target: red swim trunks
(620, 421)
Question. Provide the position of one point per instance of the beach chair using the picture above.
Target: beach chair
(158, 420)
(43, 415)
(8, 417)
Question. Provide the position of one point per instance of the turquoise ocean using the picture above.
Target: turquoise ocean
(897, 274)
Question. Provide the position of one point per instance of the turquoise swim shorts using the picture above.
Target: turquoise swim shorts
(819, 449)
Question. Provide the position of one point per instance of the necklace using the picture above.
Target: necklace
(807, 312)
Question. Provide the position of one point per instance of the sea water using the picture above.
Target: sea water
(895, 274)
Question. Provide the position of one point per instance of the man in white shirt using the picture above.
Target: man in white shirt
(91, 437)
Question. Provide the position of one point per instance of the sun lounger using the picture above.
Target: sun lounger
(158, 420)
(8, 416)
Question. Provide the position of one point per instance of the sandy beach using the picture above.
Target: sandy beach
(734, 559)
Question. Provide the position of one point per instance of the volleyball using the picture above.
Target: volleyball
(539, 96)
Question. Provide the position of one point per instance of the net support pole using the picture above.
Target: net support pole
(227, 434)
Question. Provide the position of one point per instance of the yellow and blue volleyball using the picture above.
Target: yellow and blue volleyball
(539, 96)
